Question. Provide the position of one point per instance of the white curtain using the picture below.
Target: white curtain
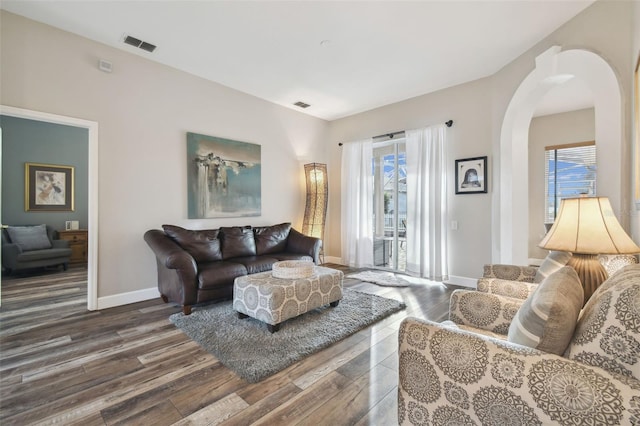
(427, 203)
(357, 204)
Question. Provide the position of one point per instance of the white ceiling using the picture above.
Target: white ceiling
(340, 57)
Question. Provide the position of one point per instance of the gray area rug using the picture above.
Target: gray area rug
(388, 279)
(250, 350)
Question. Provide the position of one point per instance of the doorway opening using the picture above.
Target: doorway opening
(92, 140)
(389, 170)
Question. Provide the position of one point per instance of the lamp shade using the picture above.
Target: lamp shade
(588, 226)
(315, 210)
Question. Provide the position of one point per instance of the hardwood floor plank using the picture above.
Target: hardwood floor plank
(215, 413)
(306, 402)
(62, 364)
(347, 406)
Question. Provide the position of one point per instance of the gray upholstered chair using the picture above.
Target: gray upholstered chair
(546, 368)
(35, 246)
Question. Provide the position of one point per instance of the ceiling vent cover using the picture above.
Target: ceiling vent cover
(132, 41)
(302, 104)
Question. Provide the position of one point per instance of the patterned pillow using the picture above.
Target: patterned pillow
(608, 332)
(554, 261)
(547, 319)
(29, 237)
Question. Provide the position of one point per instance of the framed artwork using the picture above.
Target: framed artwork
(48, 187)
(223, 177)
(471, 175)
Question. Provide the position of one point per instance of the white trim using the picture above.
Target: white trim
(333, 259)
(462, 281)
(127, 298)
(510, 204)
(92, 128)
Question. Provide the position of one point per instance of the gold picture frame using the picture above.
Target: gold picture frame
(49, 187)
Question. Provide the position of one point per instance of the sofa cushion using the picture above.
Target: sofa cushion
(213, 275)
(237, 241)
(202, 245)
(29, 237)
(255, 264)
(608, 332)
(547, 319)
(271, 239)
(554, 261)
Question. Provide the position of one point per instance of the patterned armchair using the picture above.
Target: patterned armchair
(520, 281)
(469, 371)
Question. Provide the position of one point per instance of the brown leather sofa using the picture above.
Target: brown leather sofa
(196, 266)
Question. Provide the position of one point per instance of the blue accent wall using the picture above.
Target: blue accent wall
(29, 141)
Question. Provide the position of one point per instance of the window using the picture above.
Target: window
(570, 171)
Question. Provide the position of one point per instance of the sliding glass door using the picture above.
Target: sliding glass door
(389, 204)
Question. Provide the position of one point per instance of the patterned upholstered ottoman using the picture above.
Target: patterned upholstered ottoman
(274, 300)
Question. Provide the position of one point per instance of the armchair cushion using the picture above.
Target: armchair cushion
(608, 331)
(547, 319)
(510, 272)
(449, 376)
(29, 237)
(515, 289)
(483, 311)
(202, 245)
(554, 261)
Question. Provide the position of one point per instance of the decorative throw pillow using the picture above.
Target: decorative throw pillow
(30, 237)
(547, 319)
(554, 261)
(608, 332)
(237, 241)
(202, 245)
(271, 239)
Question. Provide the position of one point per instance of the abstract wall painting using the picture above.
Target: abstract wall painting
(223, 177)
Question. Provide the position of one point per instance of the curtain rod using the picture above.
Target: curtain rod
(391, 135)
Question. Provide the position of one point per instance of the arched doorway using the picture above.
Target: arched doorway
(553, 68)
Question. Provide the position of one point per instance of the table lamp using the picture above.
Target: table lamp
(588, 227)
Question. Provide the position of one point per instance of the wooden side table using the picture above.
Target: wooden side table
(78, 243)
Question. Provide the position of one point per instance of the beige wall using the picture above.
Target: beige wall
(478, 109)
(635, 56)
(469, 106)
(550, 130)
(144, 110)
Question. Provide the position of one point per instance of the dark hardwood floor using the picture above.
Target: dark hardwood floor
(62, 364)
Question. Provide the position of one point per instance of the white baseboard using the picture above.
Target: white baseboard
(126, 298)
(462, 281)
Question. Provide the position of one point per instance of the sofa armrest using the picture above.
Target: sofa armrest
(10, 253)
(448, 374)
(510, 272)
(485, 311)
(514, 289)
(177, 270)
(303, 244)
(59, 244)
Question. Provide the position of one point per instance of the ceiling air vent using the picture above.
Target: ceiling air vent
(132, 41)
(302, 104)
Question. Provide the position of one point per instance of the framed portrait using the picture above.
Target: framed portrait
(48, 187)
(471, 175)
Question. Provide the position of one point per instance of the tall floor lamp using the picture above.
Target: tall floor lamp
(588, 227)
(315, 211)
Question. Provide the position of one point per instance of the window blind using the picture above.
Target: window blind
(570, 171)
